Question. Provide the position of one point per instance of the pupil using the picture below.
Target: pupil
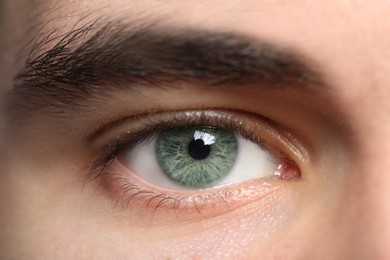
(198, 150)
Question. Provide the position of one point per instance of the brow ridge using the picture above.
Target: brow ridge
(101, 58)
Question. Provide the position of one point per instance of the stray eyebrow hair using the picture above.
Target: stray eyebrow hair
(96, 59)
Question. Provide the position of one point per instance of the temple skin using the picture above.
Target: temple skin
(331, 113)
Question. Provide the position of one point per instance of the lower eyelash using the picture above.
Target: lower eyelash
(126, 194)
(131, 193)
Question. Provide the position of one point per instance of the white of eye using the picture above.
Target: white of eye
(252, 162)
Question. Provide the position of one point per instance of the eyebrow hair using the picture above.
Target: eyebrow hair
(98, 59)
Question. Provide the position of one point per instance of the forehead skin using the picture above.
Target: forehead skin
(349, 39)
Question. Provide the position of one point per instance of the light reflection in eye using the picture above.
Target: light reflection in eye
(207, 138)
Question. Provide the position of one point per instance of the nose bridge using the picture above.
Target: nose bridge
(367, 191)
(366, 213)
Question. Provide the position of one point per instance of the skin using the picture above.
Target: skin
(337, 209)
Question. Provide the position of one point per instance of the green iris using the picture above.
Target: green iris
(196, 156)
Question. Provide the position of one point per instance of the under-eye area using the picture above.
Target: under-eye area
(208, 162)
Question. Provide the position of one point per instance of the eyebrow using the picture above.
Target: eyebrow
(96, 59)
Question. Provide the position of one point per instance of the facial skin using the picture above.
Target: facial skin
(331, 121)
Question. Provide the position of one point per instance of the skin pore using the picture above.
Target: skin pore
(327, 122)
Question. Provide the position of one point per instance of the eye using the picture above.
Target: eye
(185, 161)
(199, 157)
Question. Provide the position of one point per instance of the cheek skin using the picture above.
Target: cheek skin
(82, 223)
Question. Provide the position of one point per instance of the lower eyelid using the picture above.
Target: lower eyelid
(127, 191)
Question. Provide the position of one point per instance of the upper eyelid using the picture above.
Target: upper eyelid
(186, 117)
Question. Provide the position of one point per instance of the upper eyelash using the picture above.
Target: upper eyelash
(129, 140)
